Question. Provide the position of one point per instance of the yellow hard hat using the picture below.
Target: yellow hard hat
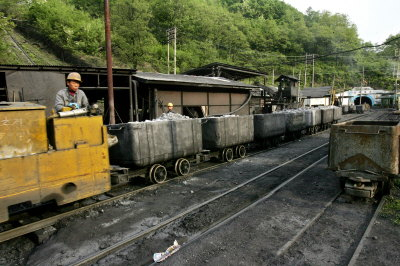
(170, 104)
(74, 76)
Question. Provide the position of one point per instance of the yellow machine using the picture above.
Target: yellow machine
(66, 162)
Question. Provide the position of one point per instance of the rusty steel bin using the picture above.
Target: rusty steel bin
(144, 143)
(326, 115)
(313, 117)
(337, 113)
(371, 146)
(269, 125)
(227, 131)
(295, 120)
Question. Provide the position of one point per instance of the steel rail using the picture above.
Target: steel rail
(134, 237)
(32, 227)
(288, 244)
(371, 223)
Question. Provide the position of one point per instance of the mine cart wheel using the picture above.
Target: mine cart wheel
(151, 172)
(222, 154)
(158, 174)
(182, 166)
(241, 151)
(228, 154)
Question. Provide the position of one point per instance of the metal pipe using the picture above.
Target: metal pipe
(109, 62)
(130, 100)
(135, 86)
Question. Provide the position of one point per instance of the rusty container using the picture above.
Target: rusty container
(144, 143)
(371, 146)
(295, 120)
(337, 113)
(360, 109)
(269, 125)
(326, 115)
(227, 131)
(313, 117)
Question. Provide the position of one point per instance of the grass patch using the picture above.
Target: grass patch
(391, 209)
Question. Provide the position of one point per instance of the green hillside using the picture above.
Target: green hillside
(267, 35)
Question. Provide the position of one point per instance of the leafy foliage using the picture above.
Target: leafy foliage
(66, 26)
(268, 35)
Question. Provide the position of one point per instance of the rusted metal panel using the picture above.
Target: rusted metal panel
(371, 146)
(244, 111)
(216, 110)
(22, 129)
(195, 98)
(169, 97)
(217, 98)
(238, 98)
(35, 86)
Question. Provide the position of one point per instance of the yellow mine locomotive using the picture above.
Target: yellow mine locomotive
(61, 159)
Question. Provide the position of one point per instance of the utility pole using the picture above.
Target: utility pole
(171, 35)
(313, 69)
(174, 50)
(362, 83)
(109, 62)
(397, 79)
(168, 40)
(305, 74)
(273, 75)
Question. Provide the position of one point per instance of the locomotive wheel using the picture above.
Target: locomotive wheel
(158, 174)
(241, 151)
(182, 166)
(228, 155)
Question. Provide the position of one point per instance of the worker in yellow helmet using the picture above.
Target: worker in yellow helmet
(71, 96)
(170, 107)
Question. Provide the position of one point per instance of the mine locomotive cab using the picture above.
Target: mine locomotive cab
(55, 159)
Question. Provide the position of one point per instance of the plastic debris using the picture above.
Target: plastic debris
(158, 257)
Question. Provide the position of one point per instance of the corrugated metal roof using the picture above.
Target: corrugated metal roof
(199, 81)
(318, 92)
(225, 70)
(282, 77)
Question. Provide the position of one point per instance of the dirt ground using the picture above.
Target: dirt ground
(253, 238)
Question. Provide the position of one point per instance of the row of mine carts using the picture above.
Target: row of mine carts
(151, 149)
(359, 109)
(65, 159)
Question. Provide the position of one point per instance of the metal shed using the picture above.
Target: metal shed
(194, 96)
(317, 96)
(39, 84)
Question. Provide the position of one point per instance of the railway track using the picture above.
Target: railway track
(43, 223)
(348, 253)
(224, 199)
